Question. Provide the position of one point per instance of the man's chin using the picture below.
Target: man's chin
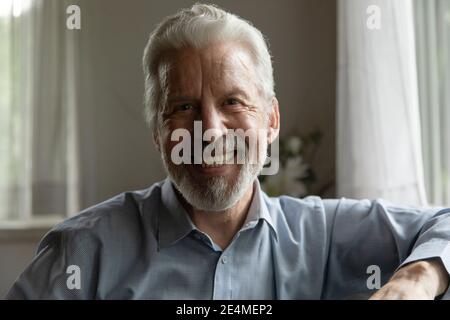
(212, 189)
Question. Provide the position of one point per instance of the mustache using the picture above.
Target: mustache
(222, 144)
(222, 150)
(235, 147)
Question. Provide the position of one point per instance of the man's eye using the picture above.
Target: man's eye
(231, 102)
(185, 107)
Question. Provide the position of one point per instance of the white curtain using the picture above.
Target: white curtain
(38, 122)
(378, 124)
(433, 58)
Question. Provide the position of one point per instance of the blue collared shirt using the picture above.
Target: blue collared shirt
(143, 245)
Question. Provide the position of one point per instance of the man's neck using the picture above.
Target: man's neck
(221, 226)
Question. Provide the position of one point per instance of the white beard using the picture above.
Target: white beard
(214, 193)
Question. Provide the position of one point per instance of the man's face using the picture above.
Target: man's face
(218, 86)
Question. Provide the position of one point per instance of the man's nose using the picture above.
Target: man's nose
(212, 119)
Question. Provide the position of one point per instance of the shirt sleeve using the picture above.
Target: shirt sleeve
(62, 269)
(372, 239)
(434, 242)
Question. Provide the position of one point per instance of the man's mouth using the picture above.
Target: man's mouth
(218, 160)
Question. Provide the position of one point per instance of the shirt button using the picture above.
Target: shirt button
(224, 259)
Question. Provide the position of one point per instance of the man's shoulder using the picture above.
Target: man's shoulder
(122, 214)
(288, 205)
(295, 211)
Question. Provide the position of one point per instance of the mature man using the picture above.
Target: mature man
(208, 231)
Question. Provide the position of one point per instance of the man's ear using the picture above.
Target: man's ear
(274, 121)
(156, 139)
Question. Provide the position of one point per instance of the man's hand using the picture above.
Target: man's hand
(421, 280)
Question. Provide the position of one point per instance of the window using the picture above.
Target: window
(432, 29)
(36, 110)
(11, 122)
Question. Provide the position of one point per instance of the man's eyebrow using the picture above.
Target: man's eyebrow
(179, 98)
(237, 92)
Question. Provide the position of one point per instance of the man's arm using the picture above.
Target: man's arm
(422, 280)
(408, 247)
(65, 259)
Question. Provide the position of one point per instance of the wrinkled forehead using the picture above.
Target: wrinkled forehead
(218, 68)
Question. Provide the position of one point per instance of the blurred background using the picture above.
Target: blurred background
(363, 88)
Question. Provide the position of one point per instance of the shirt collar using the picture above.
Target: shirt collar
(258, 209)
(174, 222)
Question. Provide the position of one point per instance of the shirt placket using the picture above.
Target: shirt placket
(223, 289)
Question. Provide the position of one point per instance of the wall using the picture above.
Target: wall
(116, 146)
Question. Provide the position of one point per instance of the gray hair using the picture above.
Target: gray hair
(199, 27)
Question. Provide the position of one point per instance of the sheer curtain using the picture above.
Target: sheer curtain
(378, 124)
(38, 122)
(433, 59)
